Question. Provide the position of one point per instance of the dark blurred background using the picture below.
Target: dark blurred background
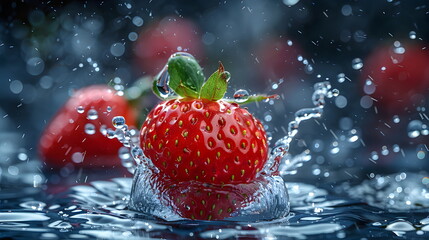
(374, 52)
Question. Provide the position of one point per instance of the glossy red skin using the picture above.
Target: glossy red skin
(65, 134)
(192, 140)
(399, 84)
(161, 39)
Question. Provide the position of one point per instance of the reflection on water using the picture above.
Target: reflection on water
(99, 210)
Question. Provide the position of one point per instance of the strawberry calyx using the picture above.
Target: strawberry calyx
(183, 77)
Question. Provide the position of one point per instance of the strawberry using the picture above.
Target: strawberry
(162, 38)
(397, 76)
(65, 140)
(208, 150)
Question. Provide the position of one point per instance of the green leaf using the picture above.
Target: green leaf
(186, 75)
(216, 86)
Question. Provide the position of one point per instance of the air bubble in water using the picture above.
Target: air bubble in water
(414, 128)
(241, 96)
(92, 114)
(118, 121)
(80, 109)
(412, 35)
(357, 63)
(89, 128)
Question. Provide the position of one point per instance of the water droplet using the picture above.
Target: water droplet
(341, 77)
(308, 69)
(103, 129)
(124, 153)
(241, 96)
(412, 35)
(183, 54)
(89, 128)
(162, 80)
(400, 225)
(290, 2)
(425, 130)
(384, 151)
(77, 157)
(138, 21)
(396, 119)
(414, 128)
(396, 148)
(398, 48)
(109, 109)
(118, 121)
(117, 49)
(335, 92)
(92, 114)
(357, 63)
(137, 153)
(80, 109)
(110, 133)
(421, 154)
(374, 155)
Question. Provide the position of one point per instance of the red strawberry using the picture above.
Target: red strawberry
(400, 75)
(209, 141)
(208, 151)
(65, 140)
(162, 38)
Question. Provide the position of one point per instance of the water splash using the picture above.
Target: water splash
(279, 154)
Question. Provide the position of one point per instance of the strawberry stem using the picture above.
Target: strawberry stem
(254, 98)
(183, 76)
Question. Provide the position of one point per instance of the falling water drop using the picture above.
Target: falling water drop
(396, 119)
(341, 77)
(414, 128)
(162, 80)
(357, 63)
(412, 35)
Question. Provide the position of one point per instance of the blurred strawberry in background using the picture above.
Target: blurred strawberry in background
(75, 135)
(278, 58)
(397, 76)
(162, 38)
